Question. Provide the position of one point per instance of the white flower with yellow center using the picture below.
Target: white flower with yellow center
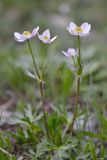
(83, 30)
(25, 35)
(45, 37)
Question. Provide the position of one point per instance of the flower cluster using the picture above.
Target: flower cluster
(80, 31)
(75, 54)
(26, 35)
(45, 37)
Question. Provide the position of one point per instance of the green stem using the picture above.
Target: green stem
(79, 51)
(76, 104)
(41, 89)
(43, 107)
(78, 85)
(74, 61)
(33, 59)
(79, 54)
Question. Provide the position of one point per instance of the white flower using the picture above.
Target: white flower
(45, 37)
(25, 35)
(83, 30)
(70, 52)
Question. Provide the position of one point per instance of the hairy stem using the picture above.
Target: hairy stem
(41, 90)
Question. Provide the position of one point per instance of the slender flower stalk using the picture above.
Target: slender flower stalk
(79, 55)
(78, 84)
(41, 89)
(42, 97)
(79, 31)
(76, 103)
(33, 59)
(45, 38)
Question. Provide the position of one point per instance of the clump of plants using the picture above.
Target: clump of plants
(55, 133)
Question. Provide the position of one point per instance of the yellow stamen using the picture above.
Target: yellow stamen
(46, 37)
(78, 29)
(26, 33)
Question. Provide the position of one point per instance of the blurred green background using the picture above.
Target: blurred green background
(20, 15)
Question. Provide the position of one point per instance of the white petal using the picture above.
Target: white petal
(46, 33)
(22, 39)
(51, 40)
(69, 30)
(84, 34)
(34, 32)
(42, 38)
(72, 51)
(65, 53)
(19, 37)
(85, 27)
(72, 26)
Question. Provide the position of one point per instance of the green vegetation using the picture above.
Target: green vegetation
(22, 129)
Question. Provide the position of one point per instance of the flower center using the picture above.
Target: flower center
(78, 29)
(27, 34)
(46, 37)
